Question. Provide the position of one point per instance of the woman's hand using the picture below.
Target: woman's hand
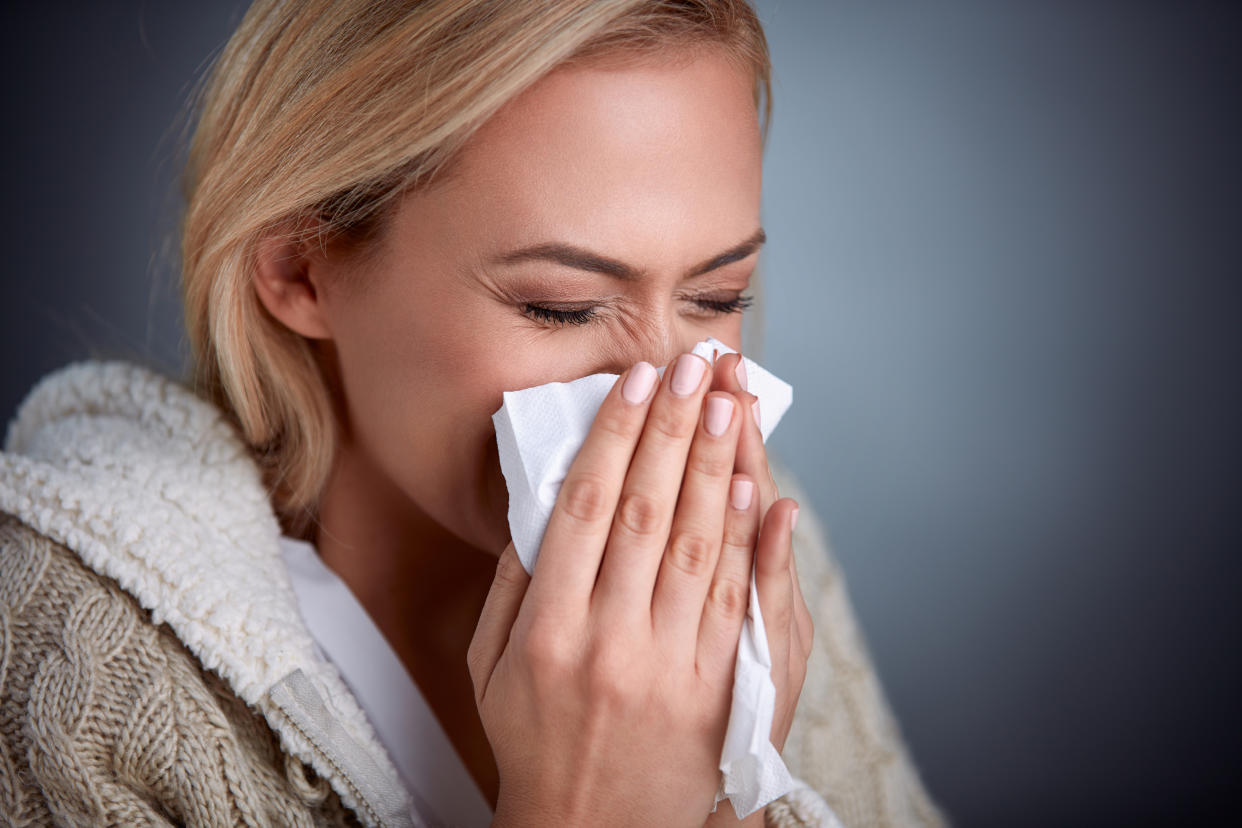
(604, 680)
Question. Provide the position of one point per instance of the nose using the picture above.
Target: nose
(657, 339)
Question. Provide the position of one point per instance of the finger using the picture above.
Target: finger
(752, 457)
(802, 614)
(729, 374)
(774, 586)
(577, 532)
(491, 634)
(797, 655)
(788, 691)
(787, 698)
(729, 592)
(644, 512)
(689, 560)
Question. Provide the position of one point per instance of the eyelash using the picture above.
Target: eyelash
(559, 317)
(582, 316)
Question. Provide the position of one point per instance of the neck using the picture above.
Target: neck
(422, 586)
(387, 550)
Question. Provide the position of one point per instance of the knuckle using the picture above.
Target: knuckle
(800, 668)
(616, 421)
(639, 513)
(729, 597)
(509, 571)
(475, 665)
(611, 675)
(692, 554)
(585, 498)
(670, 423)
(714, 464)
(739, 534)
(546, 651)
(781, 618)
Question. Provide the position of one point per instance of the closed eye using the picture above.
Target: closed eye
(737, 304)
(556, 316)
(580, 316)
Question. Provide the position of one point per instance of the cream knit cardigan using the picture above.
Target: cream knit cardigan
(155, 670)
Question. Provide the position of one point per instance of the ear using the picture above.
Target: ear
(284, 283)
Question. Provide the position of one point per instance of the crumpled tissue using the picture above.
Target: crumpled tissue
(538, 433)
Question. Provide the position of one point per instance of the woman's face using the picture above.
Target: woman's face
(609, 214)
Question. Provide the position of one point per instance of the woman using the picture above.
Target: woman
(396, 212)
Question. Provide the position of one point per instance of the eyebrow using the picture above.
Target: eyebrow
(581, 259)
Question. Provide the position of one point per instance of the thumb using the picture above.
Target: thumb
(504, 599)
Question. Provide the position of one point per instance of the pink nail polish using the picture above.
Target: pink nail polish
(741, 373)
(793, 519)
(740, 493)
(687, 374)
(638, 384)
(718, 416)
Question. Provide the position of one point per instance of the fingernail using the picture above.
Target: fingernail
(740, 493)
(793, 519)
(740, 370)
(719, 414)
(755, 408)
(639, 383)
(687, 374)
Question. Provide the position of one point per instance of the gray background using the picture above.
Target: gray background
(1003, 280)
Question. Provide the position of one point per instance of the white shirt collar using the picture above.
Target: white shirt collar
(440, 786)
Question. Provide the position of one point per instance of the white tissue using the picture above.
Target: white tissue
(538, 433)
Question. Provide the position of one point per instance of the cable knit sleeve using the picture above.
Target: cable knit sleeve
(106, 718)
(845, 744)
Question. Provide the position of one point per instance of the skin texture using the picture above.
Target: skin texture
(653, 163)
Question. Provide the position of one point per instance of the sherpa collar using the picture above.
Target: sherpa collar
(152, 488)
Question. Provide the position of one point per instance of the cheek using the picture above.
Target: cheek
(728, 329)
(421, 395)
(453, 470)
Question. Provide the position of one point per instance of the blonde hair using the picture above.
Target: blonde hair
(319, 114)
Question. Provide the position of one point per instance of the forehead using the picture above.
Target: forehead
(606, 153)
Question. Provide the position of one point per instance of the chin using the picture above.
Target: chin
(496, 528)
(489, 530)
(489, 534)
(485, 525)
